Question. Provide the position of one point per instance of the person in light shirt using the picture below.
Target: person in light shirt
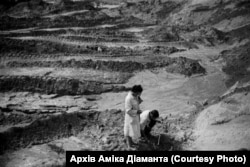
(132, 129)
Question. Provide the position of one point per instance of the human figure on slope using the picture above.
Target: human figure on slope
(148, 119)
(132, 116)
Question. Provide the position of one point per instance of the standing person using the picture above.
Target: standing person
(132, 116)
(148, 119)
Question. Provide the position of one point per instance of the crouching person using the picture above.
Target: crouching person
(148, 119)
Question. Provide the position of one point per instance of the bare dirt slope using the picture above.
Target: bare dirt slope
(224, 125)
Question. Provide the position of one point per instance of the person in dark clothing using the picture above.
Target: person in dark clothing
(148, 119)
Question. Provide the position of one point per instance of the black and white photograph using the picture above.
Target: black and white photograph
(122, 76)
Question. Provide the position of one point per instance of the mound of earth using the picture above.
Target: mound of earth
(207, 36)
(98, 65)
(225, 125)
(150, 11)
(185, 66)
(163, 34)
(49, 47)
(54, 85)
(52, 44)
(179, 65)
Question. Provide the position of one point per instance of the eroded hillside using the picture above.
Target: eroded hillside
(66, 67)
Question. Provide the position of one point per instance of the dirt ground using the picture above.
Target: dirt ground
(66, 68)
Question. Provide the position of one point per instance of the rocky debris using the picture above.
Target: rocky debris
(8, 45)
(100, 39)
(204, 22)
(25, 107)
(150, 11)
(45, 130)
(162, 50)
(11, 118)
(205, 12)
(185, 66)
(103, 131)
(109, 34)
(179, 65)
(28, 9)
(100, 51)
(29, 157)
(222, 11)
(76, 5)
(51, 85)
(207, 36)
(87, 19)
(24, 56)
(130, 21)
(163, 34)
(18, 109)
(34, 32)
(105, 32)
(239, 34)
(56, 47)
(127, 66)
(237, 63)
(35, 8)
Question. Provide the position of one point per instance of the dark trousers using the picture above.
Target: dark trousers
(148, 128)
